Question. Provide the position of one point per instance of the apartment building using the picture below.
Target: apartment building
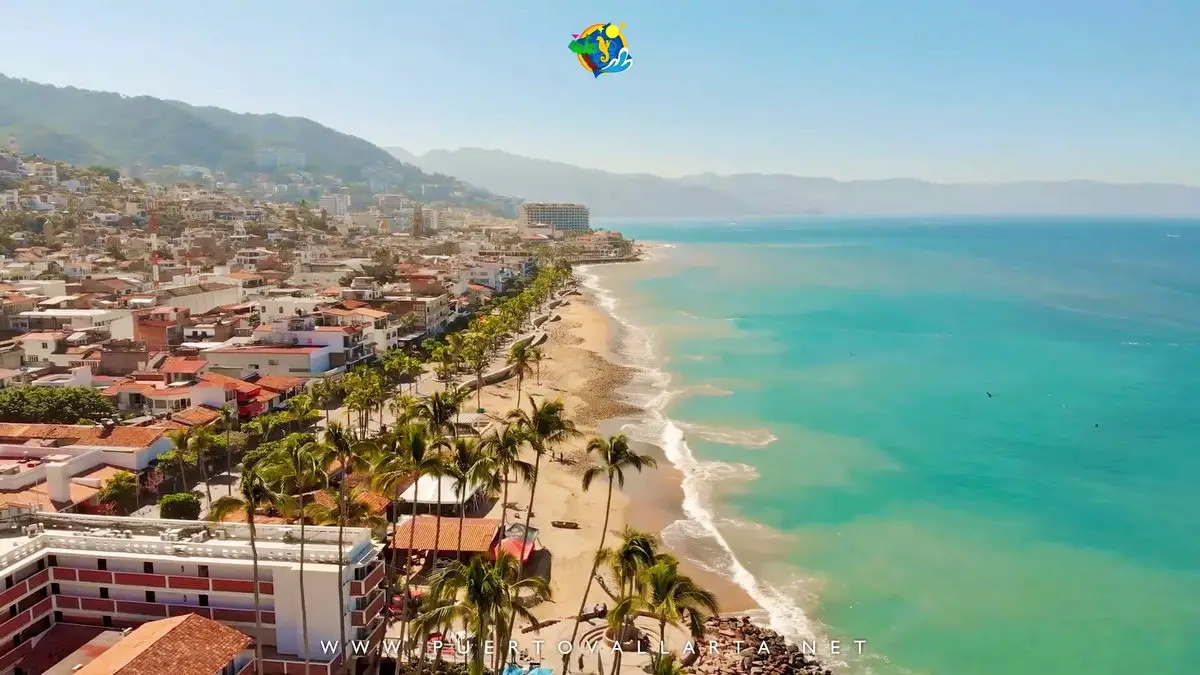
(335, 205)
(118, 322)
(560, 217)
(109, 572)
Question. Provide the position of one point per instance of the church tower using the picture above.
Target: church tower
(418, 222)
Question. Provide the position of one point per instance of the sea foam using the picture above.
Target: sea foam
(779, 611)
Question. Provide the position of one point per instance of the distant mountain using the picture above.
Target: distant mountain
(605, 193)
(91, 127)
(645, 195)
(402, 155)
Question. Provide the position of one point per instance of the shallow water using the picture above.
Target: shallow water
(847, 465)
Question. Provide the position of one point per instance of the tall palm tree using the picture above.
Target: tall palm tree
(341, 444)
(358, 512)
(297, 467)
(412, 458)
(200, 443)
(301, 411)
(628, 561)
(504, 449)
(613, 457)
(465, 465)
(475, 355)
(543, 427)
(181, 449)
(323, 392)
(480, 594)
(536, 356)
(229, 417)
(520, 360)
(253, 491)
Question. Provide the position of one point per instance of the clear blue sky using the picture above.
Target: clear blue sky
(950, 90)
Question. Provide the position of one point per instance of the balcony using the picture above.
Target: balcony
(159, 581)
(374, 605)
(371, 580)
(155, 610)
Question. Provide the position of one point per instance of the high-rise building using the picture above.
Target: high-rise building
(417, 227)
(88, 570)
(560, 217)
(335, 205)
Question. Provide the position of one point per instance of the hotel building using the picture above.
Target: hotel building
(110, 572)
(560, 217)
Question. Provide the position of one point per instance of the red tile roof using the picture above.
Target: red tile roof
(196, 416)
(82, 434)
(241, 386)
(183, 365)
(478, 534)
(182, 645)
(376, 502)
(280, 383)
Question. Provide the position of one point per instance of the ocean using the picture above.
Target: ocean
(972, 443)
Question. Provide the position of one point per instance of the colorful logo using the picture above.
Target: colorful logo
(601, 49)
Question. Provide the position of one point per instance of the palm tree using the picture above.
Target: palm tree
(181, 452)
(672, 598)
(543, 428)
(341, 445)
(614, 457)
(301, 411)
(323, 392)
(253, 492)
(229, 417)
(120, 491)
(465, 465)
(439, 411)
(201, 442)
(520, 360)
(411, 459)
(636, 553)
(536, 356)
(668, 665)
(479, 595)
(504, 448)
(298, 463)
(357, 512)
(475, 355)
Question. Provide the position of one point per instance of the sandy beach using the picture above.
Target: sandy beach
(577, 368)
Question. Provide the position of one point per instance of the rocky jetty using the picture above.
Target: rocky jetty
(747, 649)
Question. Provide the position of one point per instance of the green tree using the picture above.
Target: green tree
(53, 405)
(179, 506)
(520, 359)
(120, 492)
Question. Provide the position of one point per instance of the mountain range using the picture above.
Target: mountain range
(87, 127)
(646, 195)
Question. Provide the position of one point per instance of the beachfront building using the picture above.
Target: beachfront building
(560, 217)
(109, 572)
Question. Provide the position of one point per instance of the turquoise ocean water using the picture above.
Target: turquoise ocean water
(824, 383)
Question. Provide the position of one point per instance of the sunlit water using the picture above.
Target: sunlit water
(824, 385)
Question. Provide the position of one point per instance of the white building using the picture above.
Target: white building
(118, 322)
(335, 205)
(561, 217)
(122, 572)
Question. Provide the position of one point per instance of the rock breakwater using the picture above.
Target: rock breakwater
(746, 649)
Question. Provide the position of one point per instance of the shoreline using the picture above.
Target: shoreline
(581, 368)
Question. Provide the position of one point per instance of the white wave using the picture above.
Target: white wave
(783, 615)
(747, 438)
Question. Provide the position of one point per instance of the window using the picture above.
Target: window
(101, 564)
(108, 622)
(104, 593)
(58, 617)
(272, 362)
(12, 611)
(253, 366)
(204, 601)
(41, 564)
(150, 596)
(54, 588)
(203, 571)
(53, 560)
(148, 567)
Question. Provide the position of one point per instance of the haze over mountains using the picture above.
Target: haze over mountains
(646, 195)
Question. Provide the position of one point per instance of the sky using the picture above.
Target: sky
(950, 91)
